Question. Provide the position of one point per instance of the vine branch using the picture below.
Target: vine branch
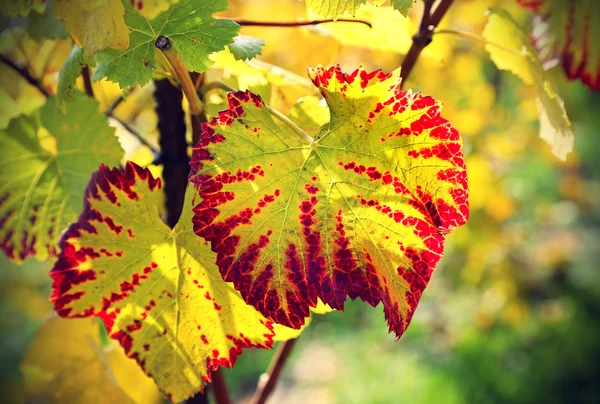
(25, 74)
(268, 380)
(291, 24)
(423, 37)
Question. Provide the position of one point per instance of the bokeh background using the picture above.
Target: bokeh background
(512, 313)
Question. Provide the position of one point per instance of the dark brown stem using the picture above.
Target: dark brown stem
(87, 81)
(25, 74)
(423, 37)
(219, 387)
(288, 24)
(173, 147)
(268, 381)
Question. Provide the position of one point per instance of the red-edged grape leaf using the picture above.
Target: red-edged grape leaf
(40, 191)
(575, 26)
(157, 290)
(361, 211)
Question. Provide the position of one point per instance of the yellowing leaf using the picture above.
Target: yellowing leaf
(360, 211)
(157, 290)
(521, 58)
(68, 364)
(94, 24)
(40, 191)
(391, 32)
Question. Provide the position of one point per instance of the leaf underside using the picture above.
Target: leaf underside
(361, 212)
(156, 289)
(575, 27)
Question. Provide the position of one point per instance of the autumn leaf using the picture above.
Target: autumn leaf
(334, 8)
(41, 190)
(94, 24)
(517, 55)
(189, 25)
(575, 26)
(157, 290)
(67, 362)
(360, 211)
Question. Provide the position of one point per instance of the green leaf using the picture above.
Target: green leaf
(334, 8)
(45, 25)
(157, 289)
(246, 47)
(361, 211)
(190, 27)
(517, 55)
(67, 77)
(402, 5)
(42, 189)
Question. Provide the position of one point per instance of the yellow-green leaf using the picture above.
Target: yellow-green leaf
(360, 211)
(14, 8)
(67, 363)
(517, 55)
(334, 8)
(94, 24)
(41, 190)
(157, 290)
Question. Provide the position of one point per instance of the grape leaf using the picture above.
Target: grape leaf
(310, 113)
(14, 8)
(361, 211)
(157, 290)
(40, 191)
(95, 25)
(524, 62)
(246, 47)
(190, 27)
(334, 8)
(575, 27)
(402, 5)
(67, 363)
(71, 69)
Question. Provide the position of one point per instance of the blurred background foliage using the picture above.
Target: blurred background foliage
(511, 314)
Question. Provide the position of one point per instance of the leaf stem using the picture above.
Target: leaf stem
(87, 82)
(290, 24)
(476, 37)
(298, 130)
(166, 47)
(423, 37)
(268, 380)
(25, 74)
(220, 387)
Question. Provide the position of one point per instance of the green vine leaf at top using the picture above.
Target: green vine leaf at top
(402, 5)
(189, 24)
